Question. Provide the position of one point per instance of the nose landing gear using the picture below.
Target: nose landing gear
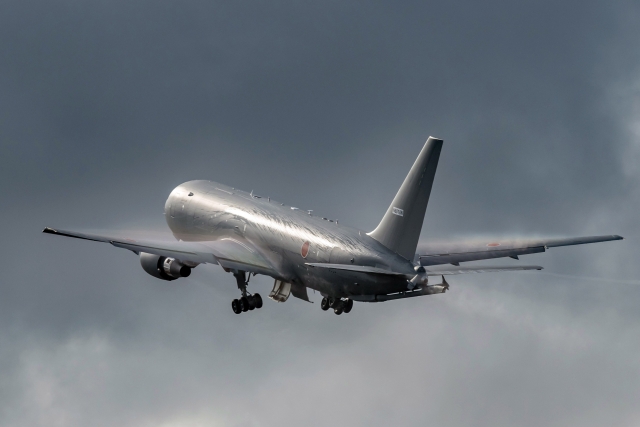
(339, 305)
(248, 301)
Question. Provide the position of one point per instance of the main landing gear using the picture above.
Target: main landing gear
(247, 301)
(339, 305)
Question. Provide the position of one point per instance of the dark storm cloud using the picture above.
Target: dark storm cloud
(106, 106)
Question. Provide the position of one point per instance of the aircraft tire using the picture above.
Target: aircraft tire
(324, 305)
(244, 304)
(257, 300)
(235, 306)
(338, 311)
(348, 305)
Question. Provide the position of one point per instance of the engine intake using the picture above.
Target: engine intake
(162, 267)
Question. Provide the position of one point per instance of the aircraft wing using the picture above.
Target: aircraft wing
(439, 271)
(454, 253)
(436, 271)
(228, 252)
(358, 269)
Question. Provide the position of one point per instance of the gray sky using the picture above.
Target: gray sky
(108, 105)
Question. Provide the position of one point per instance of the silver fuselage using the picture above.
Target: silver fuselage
(215, 211)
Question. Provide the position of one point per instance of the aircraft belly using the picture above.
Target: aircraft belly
(346, 283)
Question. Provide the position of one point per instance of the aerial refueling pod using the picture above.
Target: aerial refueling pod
(162, 267)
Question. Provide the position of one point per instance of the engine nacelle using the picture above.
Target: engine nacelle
(163, 267)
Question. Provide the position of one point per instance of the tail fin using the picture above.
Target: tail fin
(400, 227)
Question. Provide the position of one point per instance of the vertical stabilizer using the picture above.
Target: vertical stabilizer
(400, 227)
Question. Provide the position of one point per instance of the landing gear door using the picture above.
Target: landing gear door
(299, 291)
(281, 291)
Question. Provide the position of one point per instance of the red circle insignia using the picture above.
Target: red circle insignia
(493, 244)
(304, 250)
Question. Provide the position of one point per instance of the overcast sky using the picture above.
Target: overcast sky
(106, 106)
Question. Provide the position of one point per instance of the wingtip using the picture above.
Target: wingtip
(616, 237)
(49, 230)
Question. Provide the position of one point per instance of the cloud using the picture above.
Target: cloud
(108, 106)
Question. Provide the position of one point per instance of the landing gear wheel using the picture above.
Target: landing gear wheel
(338, 310)
(244, 304)
(248, 301)
(257, 301)
(235, 306)
(348, 305)
(324, 305)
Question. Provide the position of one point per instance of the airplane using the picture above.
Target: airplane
(248, 234)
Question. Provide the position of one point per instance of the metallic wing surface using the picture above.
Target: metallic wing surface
(231, 253)
(437, 271)
(456, 252)
(449, 271)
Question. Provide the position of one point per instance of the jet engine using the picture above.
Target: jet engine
(163, 267)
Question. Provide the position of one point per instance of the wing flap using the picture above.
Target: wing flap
(184, 251)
